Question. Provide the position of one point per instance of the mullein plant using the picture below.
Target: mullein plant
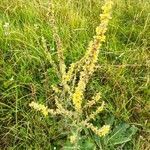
(70, 101)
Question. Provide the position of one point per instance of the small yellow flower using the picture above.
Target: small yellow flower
(73, 139)
(100, 108)
(105, 16)
(108, 6)
(104, 130)
(97, 97)
(55, 88)
(101, 38)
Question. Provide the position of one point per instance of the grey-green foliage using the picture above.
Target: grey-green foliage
(120, 135)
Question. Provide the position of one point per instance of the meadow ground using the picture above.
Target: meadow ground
(26, 73)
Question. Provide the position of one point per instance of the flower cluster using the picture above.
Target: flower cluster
(73, 139)
(100, 132)
(39, 107)
(91, 55)
(104, 130)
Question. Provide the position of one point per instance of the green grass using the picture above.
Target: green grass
(25, 73)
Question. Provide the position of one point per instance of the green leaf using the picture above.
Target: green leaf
(88, 145)
(121, 134)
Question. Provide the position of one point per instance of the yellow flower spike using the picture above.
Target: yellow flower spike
(104, 130)
(91, 55)
(77, 98)
(100, 132)
(39, 107)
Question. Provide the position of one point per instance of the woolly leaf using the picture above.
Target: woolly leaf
(121, 134)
